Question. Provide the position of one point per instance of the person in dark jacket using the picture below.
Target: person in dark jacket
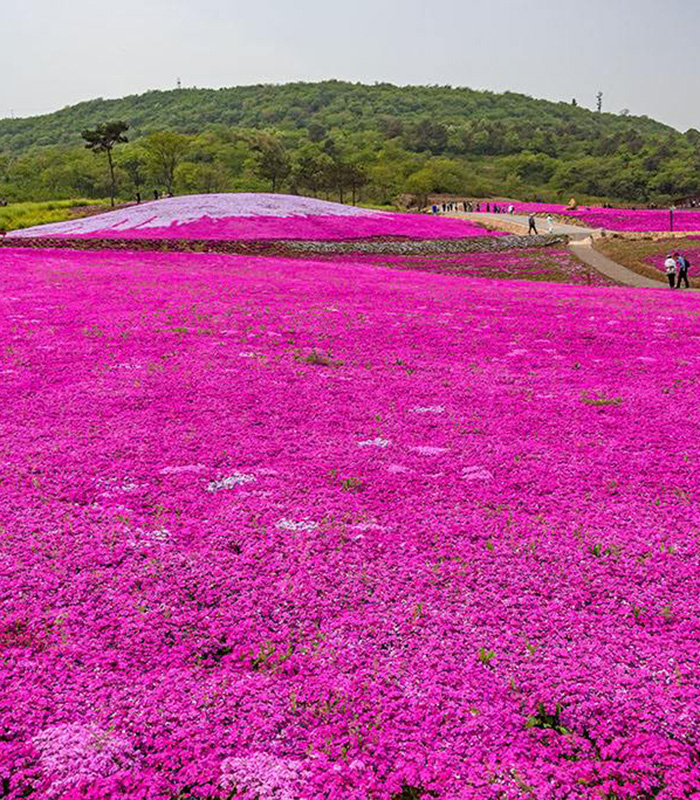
(682, 271)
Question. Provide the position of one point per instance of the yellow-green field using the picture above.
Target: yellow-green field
(24, 215)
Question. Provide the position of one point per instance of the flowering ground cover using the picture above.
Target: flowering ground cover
(658, 260)
(291, 529)
(620, 219)
(533, 264)
(647, 256)
(253, 217)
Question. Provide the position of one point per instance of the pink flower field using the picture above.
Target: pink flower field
(658, 261)
(621, 219)
(253, 217)
(300, 529)
(536, 264)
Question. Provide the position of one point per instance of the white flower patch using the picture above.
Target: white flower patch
(426, 450)
(428, 410)
(160, 535)
(237, 479)
(378, 442)
(182, 470)
(398, 469)
(291, 525)
(128, 366)
(477, 473)
(194, 208)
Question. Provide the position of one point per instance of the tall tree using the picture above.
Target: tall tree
(357, 177)
(133, 162)
(165, 151)
(103, 139)
(272, 163)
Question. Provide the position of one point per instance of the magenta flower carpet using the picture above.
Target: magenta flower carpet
(254, 216)
(295, 529)
(536, 264)
(621, 219)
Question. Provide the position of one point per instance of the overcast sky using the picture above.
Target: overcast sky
(643, 54)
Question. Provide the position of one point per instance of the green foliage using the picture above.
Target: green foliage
(103, 139)
(25, 215)
(164, 151)
(351, 141)
(546, 721)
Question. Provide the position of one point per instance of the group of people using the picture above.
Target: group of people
(468, 207)
(532, 225)
(677, 266)
(464, 206)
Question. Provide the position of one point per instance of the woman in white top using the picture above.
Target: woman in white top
(670, 265)
(550, 223)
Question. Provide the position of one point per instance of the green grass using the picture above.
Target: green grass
(25, 215)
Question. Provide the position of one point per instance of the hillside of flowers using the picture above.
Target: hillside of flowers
(252, 217)
(552, 264)
(689, 249)
(292, 529)
(620, 219)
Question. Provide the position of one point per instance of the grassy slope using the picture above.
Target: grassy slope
(25, 215)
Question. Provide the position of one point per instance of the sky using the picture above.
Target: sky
(642, 54)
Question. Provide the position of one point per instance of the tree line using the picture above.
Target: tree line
(349, 142)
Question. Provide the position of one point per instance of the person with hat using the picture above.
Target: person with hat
(671, 267)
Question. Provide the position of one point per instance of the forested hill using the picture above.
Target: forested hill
(319, 107)
(371, 143)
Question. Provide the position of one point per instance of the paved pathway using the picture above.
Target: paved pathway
(581, 245)
(584, 250)
(508, 221)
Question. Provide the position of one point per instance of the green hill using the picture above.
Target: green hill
(403, 140)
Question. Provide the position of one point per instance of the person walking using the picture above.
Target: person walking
(682, 272)
(550, 223)
(532, 226)
(671, 266)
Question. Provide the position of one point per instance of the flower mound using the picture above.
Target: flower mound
(253, 217)
(301, 529)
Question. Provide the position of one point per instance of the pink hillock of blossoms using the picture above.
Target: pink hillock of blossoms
(305, 529)
(253, 217)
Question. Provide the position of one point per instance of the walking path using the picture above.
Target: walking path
(510, 221)
(581, 245)
(583, 249)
